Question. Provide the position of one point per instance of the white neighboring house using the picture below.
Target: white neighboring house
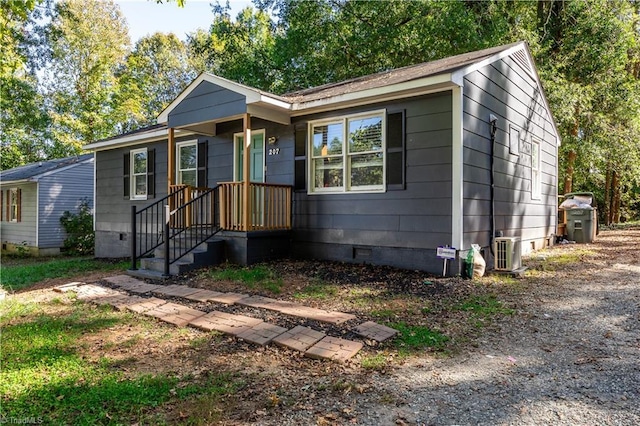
(34, 197)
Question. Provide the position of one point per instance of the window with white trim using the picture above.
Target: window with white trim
(347, 154)
(536, 175)
(187, 159)
(14, 205)
(139, 173)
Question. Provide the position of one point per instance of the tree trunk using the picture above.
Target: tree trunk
(607, 197)
(616, 203)
(568, 179)
(612, 201)
(541, 18)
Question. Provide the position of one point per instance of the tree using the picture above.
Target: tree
(587, 60)
(23, 120)
(241, 50)
(154, 74)
(89, 41)
(323, 41)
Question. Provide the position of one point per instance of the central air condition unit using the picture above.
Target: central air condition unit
(507, 254)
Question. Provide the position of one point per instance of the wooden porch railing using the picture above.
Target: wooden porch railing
(183, 194)
(270, 207)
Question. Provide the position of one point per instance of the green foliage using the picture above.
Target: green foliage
(23, 119)
(156, 71)
(89, 40)
(23, 274)
(241, 50)
(22, 250)
(79, 228)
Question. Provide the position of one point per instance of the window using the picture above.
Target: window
(138, 172)
(514, 141)
(187, 158)
(536, 175)
(13, 208)
(347, 154)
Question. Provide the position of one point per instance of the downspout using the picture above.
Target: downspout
(493, 120)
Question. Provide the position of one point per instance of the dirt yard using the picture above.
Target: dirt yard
(560, 346)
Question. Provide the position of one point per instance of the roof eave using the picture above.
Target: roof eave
(134, 139)
(416, 87)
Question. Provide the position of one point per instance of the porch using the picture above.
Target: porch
(194, 227)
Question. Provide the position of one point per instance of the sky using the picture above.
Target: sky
(146, 17)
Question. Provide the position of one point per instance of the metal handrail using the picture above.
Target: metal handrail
(149, 219)
(193, 222)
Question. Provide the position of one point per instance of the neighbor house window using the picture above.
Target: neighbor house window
(536, 175)
(14, 202)
(187, 158)
(347, 154)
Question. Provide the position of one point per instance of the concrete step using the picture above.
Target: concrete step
(211, 252)
(214, 246)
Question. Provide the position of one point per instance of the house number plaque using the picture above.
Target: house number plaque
(274, 151)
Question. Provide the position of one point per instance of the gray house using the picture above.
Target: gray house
(34, 197)
(383, 169)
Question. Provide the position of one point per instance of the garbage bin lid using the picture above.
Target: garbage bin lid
(571, 195)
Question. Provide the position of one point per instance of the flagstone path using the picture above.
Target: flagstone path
(313, 343)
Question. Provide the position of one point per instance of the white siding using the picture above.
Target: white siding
(23, 232)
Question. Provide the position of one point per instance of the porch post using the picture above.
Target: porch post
(171, 166)
(246, 198)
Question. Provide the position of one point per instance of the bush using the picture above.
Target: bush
(79, 227)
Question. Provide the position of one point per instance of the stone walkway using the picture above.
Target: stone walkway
(313, 343)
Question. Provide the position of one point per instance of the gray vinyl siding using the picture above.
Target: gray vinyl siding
(504, 89)
(60, 192)
(418, 217)
(23, 232)
(112, 209)
(207, 102)
(278, 166)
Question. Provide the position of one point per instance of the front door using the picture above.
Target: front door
(256, 173)
(257, 156)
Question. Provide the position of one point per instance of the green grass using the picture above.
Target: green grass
(46, 375)
(413, 338)
(374, 362)
(483, 309)
(20, 274)
(317, 290)
(555, 261)
(259, 276)
(485, 305)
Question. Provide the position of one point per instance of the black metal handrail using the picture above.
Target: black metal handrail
(190, 225)
(147, 228)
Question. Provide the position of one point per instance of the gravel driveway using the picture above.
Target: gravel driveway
(569, 356)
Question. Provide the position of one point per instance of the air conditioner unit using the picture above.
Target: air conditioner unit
(506, 252)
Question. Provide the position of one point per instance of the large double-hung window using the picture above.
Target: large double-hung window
(347, 154)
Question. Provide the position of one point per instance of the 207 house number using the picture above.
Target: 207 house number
(274, 151)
